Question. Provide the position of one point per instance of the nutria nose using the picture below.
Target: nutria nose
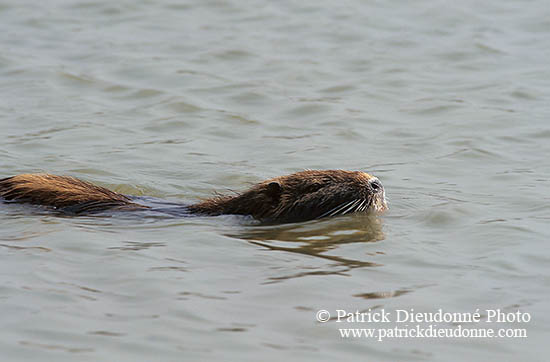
(376, 185)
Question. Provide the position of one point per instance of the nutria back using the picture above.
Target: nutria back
(64, 193)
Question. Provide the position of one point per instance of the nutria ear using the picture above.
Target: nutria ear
(274, 189)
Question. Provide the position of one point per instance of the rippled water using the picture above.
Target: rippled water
(446, 102)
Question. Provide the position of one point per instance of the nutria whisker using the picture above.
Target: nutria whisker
(367, 204)
(336, 210)
(351, 207)
(360, 208)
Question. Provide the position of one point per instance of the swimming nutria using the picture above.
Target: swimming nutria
(301, 196)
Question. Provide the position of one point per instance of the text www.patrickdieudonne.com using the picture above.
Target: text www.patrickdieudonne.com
(492, 323)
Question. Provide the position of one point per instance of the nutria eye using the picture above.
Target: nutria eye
(376, 185)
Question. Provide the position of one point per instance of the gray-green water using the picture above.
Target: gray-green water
(446, 102)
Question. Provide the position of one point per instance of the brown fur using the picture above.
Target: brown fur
(62, 192)
(300, 196)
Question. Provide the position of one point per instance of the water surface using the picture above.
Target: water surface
(446, 102)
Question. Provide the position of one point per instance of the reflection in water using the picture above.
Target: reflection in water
(107, 333)
(136, 245)
(317, 237)
(15, 247)
(382, 295)
(56, 347)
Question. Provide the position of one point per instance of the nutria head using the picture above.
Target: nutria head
(302, 196)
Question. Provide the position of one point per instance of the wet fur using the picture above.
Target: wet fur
(300, 196)
(65, 193)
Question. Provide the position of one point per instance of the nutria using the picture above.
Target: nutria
(301, 196)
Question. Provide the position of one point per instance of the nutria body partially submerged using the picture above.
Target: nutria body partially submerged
(301, 196)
